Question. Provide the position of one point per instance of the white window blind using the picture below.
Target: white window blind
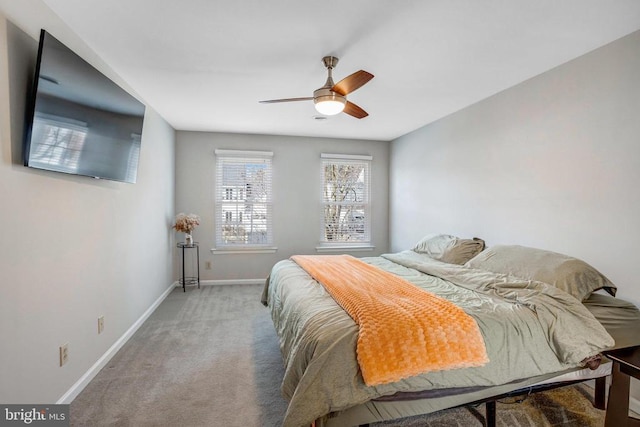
(244, 204)
(346, 213)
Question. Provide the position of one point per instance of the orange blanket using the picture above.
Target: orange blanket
(403, 330)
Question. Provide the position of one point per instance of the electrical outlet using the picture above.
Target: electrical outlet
(100, 324)
(64, 354)
(207, 265)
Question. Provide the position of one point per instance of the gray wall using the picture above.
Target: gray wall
(72, 248)
(296, 187)
(552, 163)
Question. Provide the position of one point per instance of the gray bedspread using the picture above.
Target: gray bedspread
(530, 328)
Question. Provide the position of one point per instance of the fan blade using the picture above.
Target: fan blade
(352, 82)
(353, 110)
(273, 101)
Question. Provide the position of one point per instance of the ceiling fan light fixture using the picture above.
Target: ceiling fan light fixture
(331, 99)
(330, 104)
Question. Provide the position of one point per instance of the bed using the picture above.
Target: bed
(537, 330)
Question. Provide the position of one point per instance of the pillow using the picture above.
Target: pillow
(572, 275)
(450, 249)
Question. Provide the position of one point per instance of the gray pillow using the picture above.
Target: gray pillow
(450, 249)
(572, 275)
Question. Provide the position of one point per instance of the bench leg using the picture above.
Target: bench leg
(490, 414)
(618, 406)
(599, 401)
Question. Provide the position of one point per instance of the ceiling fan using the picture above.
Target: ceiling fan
(331, 99)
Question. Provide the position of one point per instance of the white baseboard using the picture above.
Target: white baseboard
(232, 282)
(75, 389)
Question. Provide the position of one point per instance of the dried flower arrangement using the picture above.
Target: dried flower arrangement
(186, 222)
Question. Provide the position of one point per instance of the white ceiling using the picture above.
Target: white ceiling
(204, 64)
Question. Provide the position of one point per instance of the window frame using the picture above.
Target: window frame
(358, 245)
(222, 197)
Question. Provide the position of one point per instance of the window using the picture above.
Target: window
(346, 214)
(244, 208)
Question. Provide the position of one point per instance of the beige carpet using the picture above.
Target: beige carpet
(210, 357)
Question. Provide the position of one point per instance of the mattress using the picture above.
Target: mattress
(318, 342)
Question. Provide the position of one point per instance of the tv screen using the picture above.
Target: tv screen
(79, 121)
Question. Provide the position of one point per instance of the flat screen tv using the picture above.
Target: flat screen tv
(78, 120)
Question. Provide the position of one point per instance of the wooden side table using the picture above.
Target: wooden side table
(626, 364)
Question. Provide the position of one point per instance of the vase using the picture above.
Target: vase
(188, 239)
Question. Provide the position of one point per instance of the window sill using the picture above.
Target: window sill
(241, 251)
(345, 248)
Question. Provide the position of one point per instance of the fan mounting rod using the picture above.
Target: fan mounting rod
(330, 62)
